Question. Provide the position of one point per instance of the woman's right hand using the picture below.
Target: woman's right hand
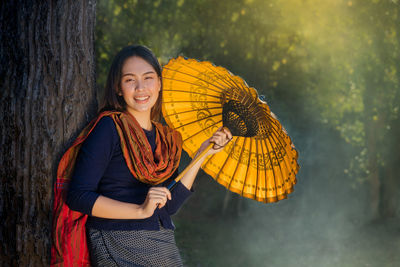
(157, 197)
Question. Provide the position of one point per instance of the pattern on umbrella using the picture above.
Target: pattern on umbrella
(199, 97)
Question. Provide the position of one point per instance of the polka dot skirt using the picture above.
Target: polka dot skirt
(133, 248)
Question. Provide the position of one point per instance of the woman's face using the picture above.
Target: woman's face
(140, 86)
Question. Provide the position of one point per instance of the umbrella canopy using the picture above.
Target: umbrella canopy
(198, 97)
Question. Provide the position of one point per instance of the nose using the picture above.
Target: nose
(139, 85)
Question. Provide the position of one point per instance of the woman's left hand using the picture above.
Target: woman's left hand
(220, 139)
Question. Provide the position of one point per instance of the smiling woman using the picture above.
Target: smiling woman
(140, 87)
(117, 206)
(134, 68)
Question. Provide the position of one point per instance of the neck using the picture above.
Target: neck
(143, 119)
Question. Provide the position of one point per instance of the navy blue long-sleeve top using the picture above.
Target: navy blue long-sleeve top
(101, 169)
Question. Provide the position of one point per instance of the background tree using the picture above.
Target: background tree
(47, 94)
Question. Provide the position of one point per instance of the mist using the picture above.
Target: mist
(324, 222)
(330, 71)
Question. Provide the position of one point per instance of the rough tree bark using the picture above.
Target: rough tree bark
(47, 95)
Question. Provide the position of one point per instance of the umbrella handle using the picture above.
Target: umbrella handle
(177, 179)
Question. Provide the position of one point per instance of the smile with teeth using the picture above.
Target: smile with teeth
(142, 98)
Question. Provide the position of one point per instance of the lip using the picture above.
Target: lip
(141, 99)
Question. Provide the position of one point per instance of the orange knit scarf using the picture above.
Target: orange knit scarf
(69, 246)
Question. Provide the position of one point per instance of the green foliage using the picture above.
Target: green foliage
(336, 61)
(320, 64)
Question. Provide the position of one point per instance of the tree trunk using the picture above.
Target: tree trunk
(391, 182)
(47, 83)
(389, 190)
(372, 81)
(373, 175)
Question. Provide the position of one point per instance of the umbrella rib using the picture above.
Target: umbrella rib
(248, 166)
(278, 162)
(277, 123)
(237, 166)
(259, 177)
(187, 111)
(223, 78)
(182, 81)
(182, 91)
(274, 131)
(226, 160)
(199, 131)
(196, 77)
(274, 121)
(271, 163)
(227, 82)
(207, 67)
(231, 84)
(242, 85)
(256, 191)
(187, 101)
(276, 134)
(183, 125)
(289, 168)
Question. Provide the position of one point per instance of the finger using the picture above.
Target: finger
(228, 137)
(157, 201)
(225, 134)
(228, 133)
(218, 144)
(215, 139)
(223, 140)
(165, 191)
(157, 195)
(218, 134)
(162, 204)
(219, 129)
(161, 191)
(159, 188)
(169, 194)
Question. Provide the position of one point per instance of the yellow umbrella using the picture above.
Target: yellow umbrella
(198, 97)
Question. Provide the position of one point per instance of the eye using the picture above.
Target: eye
(148, 78)
(129, 80)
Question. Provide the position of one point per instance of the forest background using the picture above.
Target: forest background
(330, 71)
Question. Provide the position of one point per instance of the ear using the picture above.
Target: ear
(117, 90)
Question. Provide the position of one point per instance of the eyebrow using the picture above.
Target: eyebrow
(131, 74)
